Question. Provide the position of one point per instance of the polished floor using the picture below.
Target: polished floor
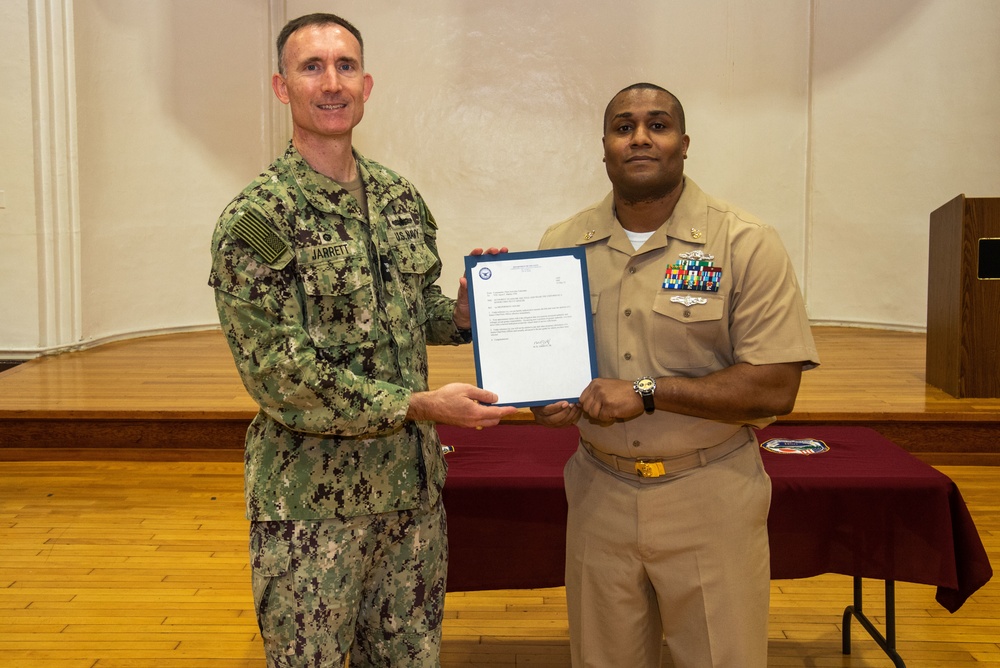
(115, 564)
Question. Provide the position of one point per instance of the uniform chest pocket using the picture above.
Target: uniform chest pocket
(688, 333)
(413, 261)
(339, 301)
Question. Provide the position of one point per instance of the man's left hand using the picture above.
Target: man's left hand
(462, 318)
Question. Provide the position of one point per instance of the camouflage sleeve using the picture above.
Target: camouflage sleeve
(286, 375)
(440, 328)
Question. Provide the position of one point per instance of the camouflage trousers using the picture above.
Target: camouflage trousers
(370, 587)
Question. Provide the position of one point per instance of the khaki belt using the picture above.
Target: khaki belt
(647, 467)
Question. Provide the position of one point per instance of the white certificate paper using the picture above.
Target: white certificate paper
(531, 325)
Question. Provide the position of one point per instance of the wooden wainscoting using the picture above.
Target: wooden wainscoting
(179, 397)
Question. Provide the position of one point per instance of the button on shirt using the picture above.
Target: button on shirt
(328, 313)
(641, 328)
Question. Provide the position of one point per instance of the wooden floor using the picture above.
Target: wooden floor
(135, 563)
(123, 542)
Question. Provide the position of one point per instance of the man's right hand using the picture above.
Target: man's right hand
(458, 404)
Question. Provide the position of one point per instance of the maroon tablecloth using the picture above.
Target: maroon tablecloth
(866, 507)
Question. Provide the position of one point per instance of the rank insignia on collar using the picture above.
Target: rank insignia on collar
(589, 235)
(694, 271)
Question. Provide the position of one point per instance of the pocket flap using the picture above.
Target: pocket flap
(270, 556)
(689, 306)
(335, 278)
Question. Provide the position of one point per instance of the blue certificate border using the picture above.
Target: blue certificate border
(473, 261)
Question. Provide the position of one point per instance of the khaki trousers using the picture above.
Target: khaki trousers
(686, 560)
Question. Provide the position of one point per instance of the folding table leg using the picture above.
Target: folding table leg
(888, 642)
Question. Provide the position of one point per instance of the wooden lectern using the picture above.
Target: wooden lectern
(963, 298)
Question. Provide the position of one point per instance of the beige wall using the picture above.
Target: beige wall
(171, 110)
(19, 285)
(904, 117)
(494, 109)
(841, 122)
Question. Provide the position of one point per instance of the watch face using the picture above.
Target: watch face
(644, 385)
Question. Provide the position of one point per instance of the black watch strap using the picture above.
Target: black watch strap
(645, 387)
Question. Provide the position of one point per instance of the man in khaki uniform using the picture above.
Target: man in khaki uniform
(324, 271)
(701, 335)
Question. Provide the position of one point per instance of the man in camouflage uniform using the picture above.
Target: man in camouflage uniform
(324, 271)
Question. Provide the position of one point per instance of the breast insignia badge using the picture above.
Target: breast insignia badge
(688, 300)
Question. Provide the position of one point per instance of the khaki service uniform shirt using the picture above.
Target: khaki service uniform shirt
(328, 316)
(641, 328)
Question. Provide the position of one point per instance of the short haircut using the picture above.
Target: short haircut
(648, 86)
(314, 20)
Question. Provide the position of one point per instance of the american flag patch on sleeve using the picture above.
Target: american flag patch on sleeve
(254, 229)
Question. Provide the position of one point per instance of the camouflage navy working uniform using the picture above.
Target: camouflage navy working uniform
(328, 317)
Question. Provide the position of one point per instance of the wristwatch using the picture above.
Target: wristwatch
(645, 387)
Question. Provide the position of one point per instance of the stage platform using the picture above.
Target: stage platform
(178, 397)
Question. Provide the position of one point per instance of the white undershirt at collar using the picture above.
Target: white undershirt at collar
(638, 238)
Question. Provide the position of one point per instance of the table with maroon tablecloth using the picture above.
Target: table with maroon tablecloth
(865, 508)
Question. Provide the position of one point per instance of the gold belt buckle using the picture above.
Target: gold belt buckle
(649, 469)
